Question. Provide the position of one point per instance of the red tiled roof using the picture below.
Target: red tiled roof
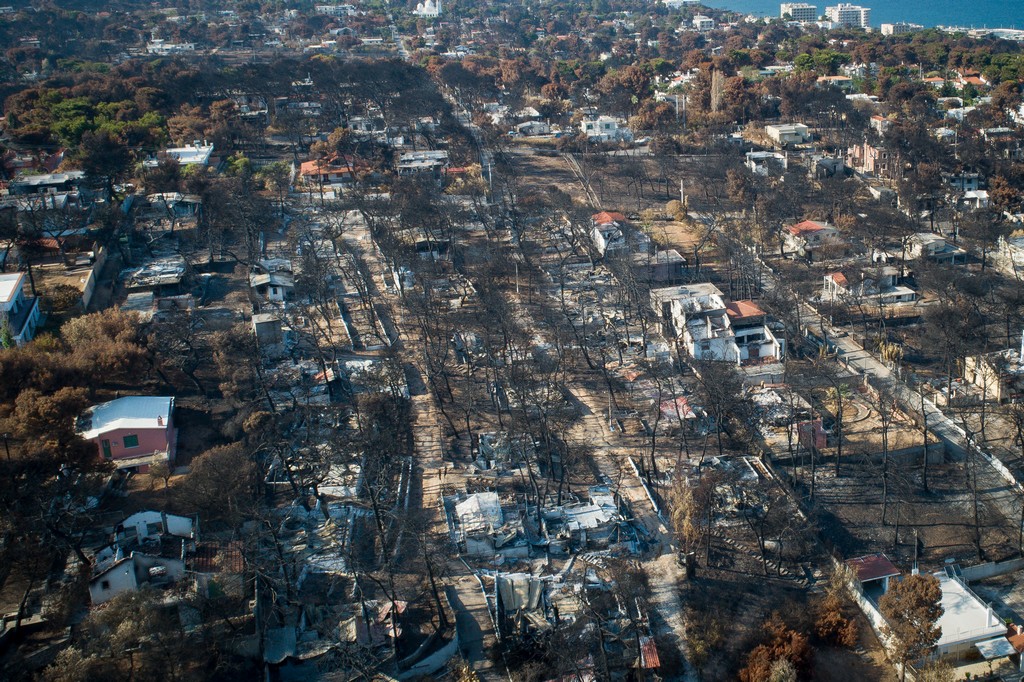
(608, 217)
(973, 80)
(806, 227)
(739, 310)
(649, 654)
(872, 567)
(839, 278)
(332, 164)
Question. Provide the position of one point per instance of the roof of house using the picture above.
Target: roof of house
(839, 278)
(807, 227)
(332, 164)
(277, 279)
(964, 616)
(10, 285)
(132, 412)
(649, 654)
(480, 511)
(739, 310)
(872, 567)
(608, 217)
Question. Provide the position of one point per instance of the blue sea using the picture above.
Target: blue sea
(976, 14)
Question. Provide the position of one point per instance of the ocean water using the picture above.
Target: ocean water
(976, 14)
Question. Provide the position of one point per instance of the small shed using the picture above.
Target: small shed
(873, 571)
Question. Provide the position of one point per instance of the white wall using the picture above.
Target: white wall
(119, 579)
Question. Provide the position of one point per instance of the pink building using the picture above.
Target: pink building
(133, 432)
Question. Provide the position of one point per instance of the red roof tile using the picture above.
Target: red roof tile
(649, 654)
(806, 227)
(608, 217)
(872, 567)
(739, 310)
(839, 278)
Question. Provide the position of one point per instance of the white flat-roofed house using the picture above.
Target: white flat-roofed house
(428, 161)
(934, 247)
(605, 129)
(783, 134)
(160, 46)
(766, 163)
(975, 199)
(703, 23)
(198, 153)
(965, 621)
(20, 313)
(900, 28)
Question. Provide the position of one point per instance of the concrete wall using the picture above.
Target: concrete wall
(993, 568)
(89, 288)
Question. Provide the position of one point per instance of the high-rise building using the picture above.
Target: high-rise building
(798, 11)
(849, 15)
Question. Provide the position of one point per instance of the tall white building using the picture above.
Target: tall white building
(798, 11)
(849, 15)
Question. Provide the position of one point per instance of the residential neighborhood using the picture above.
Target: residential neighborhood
(459, 342)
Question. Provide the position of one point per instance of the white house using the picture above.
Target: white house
(273, 281)
(766, 163)
(875, 287)
(605, 129)
(804, 237)
(754, 339)
(934, 247)
(697, 314)
(149, 547)
(161, 47)
(151, 524)
(703, 23)
(966, 620)
(20, 313)
(975, 198)
(530, 128)
(788, 133)
(198, 153)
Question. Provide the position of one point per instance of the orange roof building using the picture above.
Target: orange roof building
(606, 217)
